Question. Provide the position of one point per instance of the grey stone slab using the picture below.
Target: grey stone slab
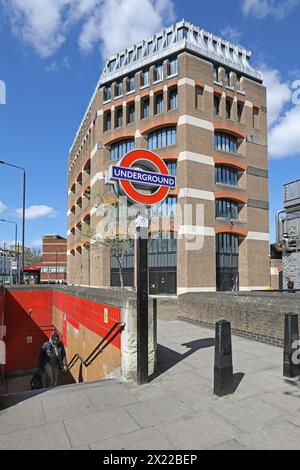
(249, 414)
(281, 436)
(199, 432)
(22, 416)
(101, 425)
(144, 439)
(231, 444)
(177, 381)
(159, 410)
(61, 407)
(104, 399)
(288, 401)
(200, 398)
(251, 366)
(46, 437)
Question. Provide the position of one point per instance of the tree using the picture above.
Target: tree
(118, 243)
(32, 256)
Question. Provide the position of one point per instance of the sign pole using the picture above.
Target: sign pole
(141, 265)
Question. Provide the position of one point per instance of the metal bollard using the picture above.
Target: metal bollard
(291, 335)
(223, 370)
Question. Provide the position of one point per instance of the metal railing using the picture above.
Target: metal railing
(114, 331)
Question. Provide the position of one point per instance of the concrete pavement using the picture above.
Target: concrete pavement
(177, 410)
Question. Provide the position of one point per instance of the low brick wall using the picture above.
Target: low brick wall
(258, 316)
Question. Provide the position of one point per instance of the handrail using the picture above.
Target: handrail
(98, 349)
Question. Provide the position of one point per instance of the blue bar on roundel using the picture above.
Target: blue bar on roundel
(147, 178)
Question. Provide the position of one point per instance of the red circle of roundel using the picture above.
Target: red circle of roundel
(128, 160)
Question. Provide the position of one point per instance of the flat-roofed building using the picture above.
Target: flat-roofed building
(54, 264)
(195, 100)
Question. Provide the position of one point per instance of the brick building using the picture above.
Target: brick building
(54, 265)
(195, 100)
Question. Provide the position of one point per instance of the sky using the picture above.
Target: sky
(52, 53)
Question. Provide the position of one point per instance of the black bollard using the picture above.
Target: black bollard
(223, 370)
(291, 345)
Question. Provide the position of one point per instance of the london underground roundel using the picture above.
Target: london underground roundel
(143, 177)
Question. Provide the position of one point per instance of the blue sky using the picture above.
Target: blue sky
(52, 52)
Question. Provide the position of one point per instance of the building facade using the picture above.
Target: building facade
(9, 267)
(195, 100)
(54, 264)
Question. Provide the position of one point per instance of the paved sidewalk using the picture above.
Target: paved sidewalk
(177, 410)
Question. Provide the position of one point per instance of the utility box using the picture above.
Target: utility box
(291, 195)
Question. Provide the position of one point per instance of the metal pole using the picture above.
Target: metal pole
(142, 300)
(23, 224)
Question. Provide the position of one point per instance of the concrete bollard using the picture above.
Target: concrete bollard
(223, 369)
(291, 345)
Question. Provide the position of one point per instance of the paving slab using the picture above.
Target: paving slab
(144, 439)
(159, 410)
(282, 435)
(24, 415)
(66, 406)
(199, 432)
(101, 425)
(46, 437)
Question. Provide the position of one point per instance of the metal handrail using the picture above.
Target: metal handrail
(98, 349)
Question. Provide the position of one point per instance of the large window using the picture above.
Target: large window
(107, 93)
(131, 83)
(165, 208)
(226, 142)
(226, 175)
(119, 116)
(119, 149)
(145, 108)
(158, 73)
(131, 113)
(172, 167)
(145, 78)
(159, 103)
(162, 138)
(119, 88)
(173, 98)
(173, 66)
(226, 209)
(107, 121)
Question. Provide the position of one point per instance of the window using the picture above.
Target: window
(159, 43)
(226, 142)
(182, 34)
(228, 108)
(158, 73)
(145, 108)
(256, 118)
(166, 208)
(131, 113)
(131, 83)
(107, 93)
(119, 88)
(217, 102)
(145, 77)
(169, 38)
(227, 77)
(119, 116)
(162, 138)
(173, 98)
(119, 149)
(215, 73)
(159, 103)
(172, 167)
(226, 209)
(138, 52)
(240, 108)
(130, 56)
(199, 94)
(107, 121)
(226, 175)
(173, 66)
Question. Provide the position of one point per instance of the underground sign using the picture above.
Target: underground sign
(142, 169)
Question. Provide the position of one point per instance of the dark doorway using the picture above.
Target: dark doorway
(227, 262)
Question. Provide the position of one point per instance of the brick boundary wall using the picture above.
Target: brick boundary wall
(257, 316)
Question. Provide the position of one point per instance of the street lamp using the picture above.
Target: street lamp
(16, 241)
(23, 218)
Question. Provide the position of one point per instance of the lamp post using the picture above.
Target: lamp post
(23, 217)
(16, 241)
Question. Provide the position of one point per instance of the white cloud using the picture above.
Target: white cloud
(56, 65)
(2, 207)
(278, 93)
(284, 137)
(35, 212)
(111, 24)
(232, 34)
(283, 115)
(260, 9)
(36, 244)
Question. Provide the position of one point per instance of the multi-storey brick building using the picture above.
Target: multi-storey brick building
(195, 100)
(54, 265)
